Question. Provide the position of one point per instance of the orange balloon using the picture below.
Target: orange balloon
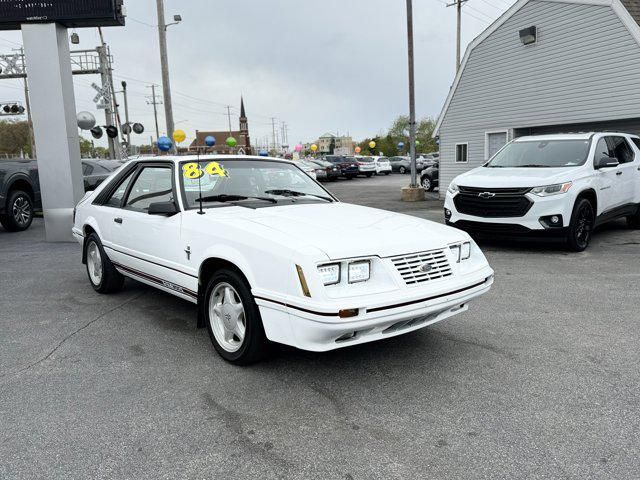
(358, 149)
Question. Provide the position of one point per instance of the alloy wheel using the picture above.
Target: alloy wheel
(21, 211)
(227, 317)
(584, 225)
(94, 263)
(426, 184)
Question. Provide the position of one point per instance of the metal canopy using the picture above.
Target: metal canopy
(69, 13)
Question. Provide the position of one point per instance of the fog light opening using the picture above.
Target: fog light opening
(346, 336)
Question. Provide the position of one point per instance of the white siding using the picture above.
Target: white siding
(584, 67)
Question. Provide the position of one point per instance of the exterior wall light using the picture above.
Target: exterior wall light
(529, 35)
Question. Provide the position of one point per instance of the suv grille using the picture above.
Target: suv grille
(493, 202)
(410, 267)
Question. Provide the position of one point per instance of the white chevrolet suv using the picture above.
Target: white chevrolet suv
(561, 186)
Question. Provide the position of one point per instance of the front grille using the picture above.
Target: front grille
(410, 267)
(493, 202)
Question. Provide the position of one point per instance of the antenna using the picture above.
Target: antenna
(201, 212)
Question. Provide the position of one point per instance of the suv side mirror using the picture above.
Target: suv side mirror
(606, 162)
(163, 208)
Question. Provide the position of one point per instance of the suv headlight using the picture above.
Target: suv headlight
(461, 251)
(549, 190)
(359, 271)
(330, 273)
(453, 188)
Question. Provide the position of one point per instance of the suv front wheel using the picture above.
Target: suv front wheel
(581, 226)
(19, 212)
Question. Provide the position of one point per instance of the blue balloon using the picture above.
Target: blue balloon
(264, 153)
(164, 144)
(210, 141)
(400, 145)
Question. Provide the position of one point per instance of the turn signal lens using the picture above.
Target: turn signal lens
(347, 313)
(330, 273)
(303, 282)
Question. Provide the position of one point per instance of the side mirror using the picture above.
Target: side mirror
(606, 162)
(163, 208)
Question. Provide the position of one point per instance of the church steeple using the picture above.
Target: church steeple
(244, 126)
(242, 114)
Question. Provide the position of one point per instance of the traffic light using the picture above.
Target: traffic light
(12, 108)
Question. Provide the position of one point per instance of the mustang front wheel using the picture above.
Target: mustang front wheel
(103, 276)
(233, 319)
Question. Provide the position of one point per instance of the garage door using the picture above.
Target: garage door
(495, 141)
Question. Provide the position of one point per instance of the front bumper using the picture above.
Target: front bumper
(307, 328)
(526, 225)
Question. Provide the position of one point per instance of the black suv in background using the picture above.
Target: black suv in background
(348, 165)
(430, 177)
(20, 188)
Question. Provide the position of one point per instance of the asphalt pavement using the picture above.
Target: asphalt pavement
(539, 379)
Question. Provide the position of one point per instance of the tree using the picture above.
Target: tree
(86, 148)
(14, 138)
(399, 132)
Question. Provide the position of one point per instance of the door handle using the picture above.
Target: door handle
(618, 173)
(118, 220)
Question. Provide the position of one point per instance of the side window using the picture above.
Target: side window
(462, 151)
(636, 140)
(152, 185)
(602, 149)
(86, 169)
(115, 200)
(621, 149)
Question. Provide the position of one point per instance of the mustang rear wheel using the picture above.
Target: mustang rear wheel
(103, 276)
(233, 319)
(581, 226)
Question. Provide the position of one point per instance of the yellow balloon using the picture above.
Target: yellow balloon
(314, 147)
(372, 144)
(179, 136)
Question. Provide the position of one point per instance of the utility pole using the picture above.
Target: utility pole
(164, 61)
(27, 102)
(273, 129)
(412, 96)
(155, 104)
(126, 114)
(229, 116)
(458, 5)
(108, 114)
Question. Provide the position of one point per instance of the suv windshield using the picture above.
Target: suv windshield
(235, 180)
(541, 154)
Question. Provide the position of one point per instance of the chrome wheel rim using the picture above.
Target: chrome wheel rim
(21, 211)
(227, 317)
(426, 184)
(94, 263)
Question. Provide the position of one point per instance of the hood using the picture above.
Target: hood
(514, 177)
(344, 230)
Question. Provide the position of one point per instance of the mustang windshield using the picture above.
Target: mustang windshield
(252, 180)
(542, 154)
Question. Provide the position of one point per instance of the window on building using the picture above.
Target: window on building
(462, 151)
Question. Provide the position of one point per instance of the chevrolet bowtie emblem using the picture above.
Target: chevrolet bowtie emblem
(486, 195)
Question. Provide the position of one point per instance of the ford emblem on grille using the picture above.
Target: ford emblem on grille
(426, 267)
(486, 195)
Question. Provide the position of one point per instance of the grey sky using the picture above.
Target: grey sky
(335, 65)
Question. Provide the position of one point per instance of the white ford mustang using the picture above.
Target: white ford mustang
(269, 255)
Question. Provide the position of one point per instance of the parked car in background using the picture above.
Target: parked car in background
(429, 177)
(366, 166)
(402, 164)
(20, 195)
(309, 168)
(332, 171)
(428, 159)
(347, 165)
(560, 186)
(268, 255)
(383, 167)
(95, 171)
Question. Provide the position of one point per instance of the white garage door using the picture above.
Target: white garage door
(495, 141)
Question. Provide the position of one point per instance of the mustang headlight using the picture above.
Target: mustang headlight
(359, 271)
(549, 190)
(453, 188)
(461, 251)
(330, 273)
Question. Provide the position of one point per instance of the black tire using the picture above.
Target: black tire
(350, 177)
(402, 170)
(110, 280)
(369, 175)
(387, 173)
(255, 345)
(426, 183)
(19, 210)
(633, 221)
(581, 226)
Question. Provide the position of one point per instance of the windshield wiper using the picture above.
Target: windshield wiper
(232, 198)
(532, 165)
(293, 193)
